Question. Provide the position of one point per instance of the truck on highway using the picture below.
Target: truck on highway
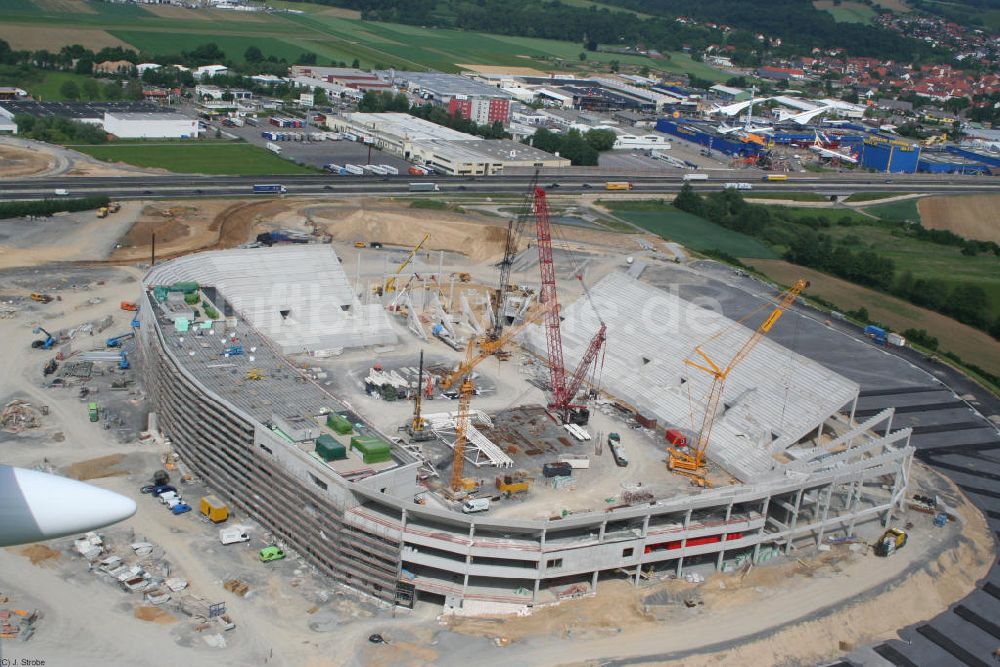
(273, 147)
(694, 177)
(424, 187)
(269, 188)
(738, 186)
(618, 185)
(775, 177)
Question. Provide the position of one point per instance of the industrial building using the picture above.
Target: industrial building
(345, 77)
(443, 149)
(891, 156)
(328, 484)
(84, 112)
(150, 125)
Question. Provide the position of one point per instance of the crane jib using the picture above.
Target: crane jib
(769, 322)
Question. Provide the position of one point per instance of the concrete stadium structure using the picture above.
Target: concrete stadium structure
(253, 442)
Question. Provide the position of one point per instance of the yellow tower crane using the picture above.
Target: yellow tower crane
(467, 387)
(390, 283)
(691, 463)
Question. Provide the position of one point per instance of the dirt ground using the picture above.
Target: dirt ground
(154, 615)
(28, 37)
(37, 553)
(502, 69)
(15, 161)
(967, 342)
(971, 216)
(102, 466)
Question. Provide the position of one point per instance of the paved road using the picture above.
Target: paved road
(204, 186)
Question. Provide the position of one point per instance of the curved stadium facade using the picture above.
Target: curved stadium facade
(253, 442)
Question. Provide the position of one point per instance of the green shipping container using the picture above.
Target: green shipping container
(329, 449)
(185, 286)
(372, 450)
(339, 424)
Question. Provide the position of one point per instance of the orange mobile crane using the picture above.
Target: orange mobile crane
(691, 464)
(467, 387)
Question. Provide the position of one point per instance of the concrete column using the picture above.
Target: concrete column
(722, 550)
(852, 503)
(687, 524)
(638, 556)
(826, 511)
(888, 424)
(593, 582)
(763, 511)
(795, 520)
(892, 504)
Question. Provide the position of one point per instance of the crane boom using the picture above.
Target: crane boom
(390, 283)
(693, 464)
(562, 393)
(514, 229)
(463, 372)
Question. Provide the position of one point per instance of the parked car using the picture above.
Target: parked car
(162, 488)
(268, 554)
(180, 508)
(476, 505)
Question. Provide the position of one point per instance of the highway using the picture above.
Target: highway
(188, 186)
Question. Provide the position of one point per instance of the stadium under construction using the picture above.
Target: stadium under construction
(278, 378)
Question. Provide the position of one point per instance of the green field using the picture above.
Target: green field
(690, 231)
(833, 215)
(788, 196)
(329, 33)
(206, 158)
(898, 211)
(48, 88)
(851, 12)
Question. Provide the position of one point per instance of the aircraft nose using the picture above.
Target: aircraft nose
(44, 506)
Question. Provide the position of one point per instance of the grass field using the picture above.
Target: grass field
(788, 196)
(207, 158)
(333, 34)
(830, 214)
(691, 231)
(899, 211)
(869, 196)
(48, 88)
(970, 344)
(847, 12)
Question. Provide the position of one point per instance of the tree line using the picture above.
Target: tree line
(807, 245)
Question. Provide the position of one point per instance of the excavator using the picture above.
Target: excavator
(692, 462)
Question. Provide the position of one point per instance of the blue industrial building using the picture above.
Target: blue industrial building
(940, 162)
(976, 155)
(889, 156)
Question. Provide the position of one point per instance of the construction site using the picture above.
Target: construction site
(472, 442)
(464, 417)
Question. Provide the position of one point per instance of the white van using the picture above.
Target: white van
(233, 535)
(167, 496)
(62, 192)
(476, 505)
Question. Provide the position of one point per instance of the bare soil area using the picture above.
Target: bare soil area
(26, 37)
(37, 553)
(65, 6)
(967, 342)
(154, 615)
(970, 216)
(16, 161)
(102, 466)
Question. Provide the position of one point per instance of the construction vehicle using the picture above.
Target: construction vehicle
(123, 364)
(891, 541)
(936, 139)
(50, 367)
(92, 411)
(41, 298)
(512, 484)
(563, 392)
(418, 428)
(254, 374)
(117, 341)
(114, 207)
(102, 212)
(45, 344)
(129, 305)
(467, 388)
(691, 461)
(390, 283)
(359, 244)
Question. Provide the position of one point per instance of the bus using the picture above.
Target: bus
(618, 185)
(269, 188)
(775, 177)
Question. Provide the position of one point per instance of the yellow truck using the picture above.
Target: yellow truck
(214, 509)
(102, 212)
(618, 185)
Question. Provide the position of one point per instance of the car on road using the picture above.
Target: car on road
(461, 187)
(553, 185)
(268, 554)
(587, 186)
(62, 192)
